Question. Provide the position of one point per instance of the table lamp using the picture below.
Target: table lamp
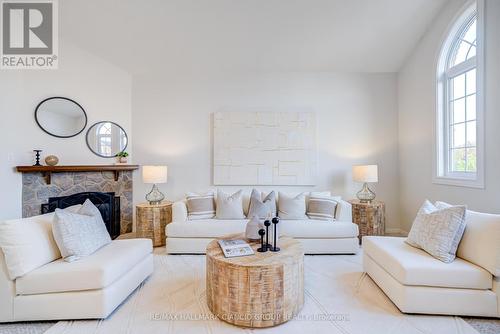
(365, 174)
(154, 175)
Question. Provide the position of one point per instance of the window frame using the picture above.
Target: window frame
(441, 163)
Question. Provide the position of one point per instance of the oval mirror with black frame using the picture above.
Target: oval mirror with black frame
(60, 117)
(106, 139)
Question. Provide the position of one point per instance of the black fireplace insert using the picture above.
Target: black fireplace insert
(107, 203)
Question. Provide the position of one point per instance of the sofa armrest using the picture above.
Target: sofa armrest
(344, 211)
(496, 289)
(179, 212)
(7, 292)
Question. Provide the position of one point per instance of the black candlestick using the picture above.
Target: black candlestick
(275, 221)
(262, 249)
(37, 157)
(267, 223)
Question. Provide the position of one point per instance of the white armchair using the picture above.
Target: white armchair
(36, 284)
(419, 283)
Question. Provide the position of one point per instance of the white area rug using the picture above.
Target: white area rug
(332, 304)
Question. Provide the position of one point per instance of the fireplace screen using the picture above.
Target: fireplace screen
(107, 203)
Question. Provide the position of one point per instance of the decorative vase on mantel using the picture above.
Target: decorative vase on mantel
(253, 227)
(51, 160)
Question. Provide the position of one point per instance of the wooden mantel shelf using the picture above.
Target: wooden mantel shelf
(48, 170)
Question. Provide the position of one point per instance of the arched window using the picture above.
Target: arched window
(104, 139)
(459, 102)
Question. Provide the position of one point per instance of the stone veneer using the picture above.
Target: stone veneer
(36, 191)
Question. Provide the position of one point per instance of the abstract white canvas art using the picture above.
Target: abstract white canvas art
(264, 148)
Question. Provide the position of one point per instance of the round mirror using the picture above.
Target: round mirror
(60, 117)
(106, 139)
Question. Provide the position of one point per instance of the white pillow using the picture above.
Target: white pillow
(28, 243)
(229, 206)
(79, 234)
(438, 230)
(292, 207)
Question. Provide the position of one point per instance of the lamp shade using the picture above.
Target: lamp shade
(154, 174)
(365, 173)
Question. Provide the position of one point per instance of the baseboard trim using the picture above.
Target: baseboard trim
(396, 231)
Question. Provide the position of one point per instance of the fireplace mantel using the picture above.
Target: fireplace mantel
(48, 170)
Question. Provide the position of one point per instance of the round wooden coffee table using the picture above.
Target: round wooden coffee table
(261, 290)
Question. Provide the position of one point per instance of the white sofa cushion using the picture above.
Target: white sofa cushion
(28, 243)
(96, 271)
(412, 266)
(229, 206)
(481, 240)
(308, 229)
(292, 207)
(318, 229)
(438, 230)
(206, 228)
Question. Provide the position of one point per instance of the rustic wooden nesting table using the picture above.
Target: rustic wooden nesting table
(261, 290)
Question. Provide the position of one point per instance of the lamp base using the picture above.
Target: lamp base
(365, 195)
(155, 196)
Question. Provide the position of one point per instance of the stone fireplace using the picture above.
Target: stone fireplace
(36, 191)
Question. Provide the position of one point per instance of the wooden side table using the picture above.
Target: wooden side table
(370, 217)
(151, 221)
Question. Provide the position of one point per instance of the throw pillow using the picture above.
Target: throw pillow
(292, 207)
(200, 206)
(262, 206)
(438, 231)
(229, 206)
(322, 208)
(79, 234)
(89, 209)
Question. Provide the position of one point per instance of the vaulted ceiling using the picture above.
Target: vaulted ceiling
(146, 36)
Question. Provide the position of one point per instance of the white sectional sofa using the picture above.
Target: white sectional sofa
(419, 283)
(318, 237)
(86, 289)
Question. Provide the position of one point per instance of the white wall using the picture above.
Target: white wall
(103, 90)
(356, 114)
(416, 96)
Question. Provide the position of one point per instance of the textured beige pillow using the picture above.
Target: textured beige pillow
(321, 208)
(200, 206)
(229, 206)
(79, 234)
(262, 206)
(438, 231)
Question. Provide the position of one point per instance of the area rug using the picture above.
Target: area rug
(173, 300)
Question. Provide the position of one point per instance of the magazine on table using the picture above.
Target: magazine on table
(235, 248)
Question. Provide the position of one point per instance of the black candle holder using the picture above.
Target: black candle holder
(262, 248)
(267, 223)
(37, 157)
(275, 221)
